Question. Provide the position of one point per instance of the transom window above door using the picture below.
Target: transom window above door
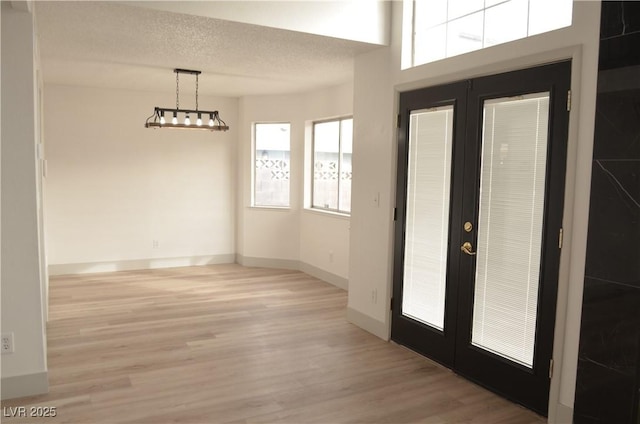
(437, 29)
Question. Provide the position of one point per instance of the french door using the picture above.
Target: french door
(480, 190)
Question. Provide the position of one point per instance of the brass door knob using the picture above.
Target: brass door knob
(467, 248)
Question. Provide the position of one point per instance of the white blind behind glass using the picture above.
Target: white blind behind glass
(512, 189)
(427, 215)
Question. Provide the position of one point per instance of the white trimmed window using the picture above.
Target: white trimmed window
(272, 164)
(332, 151)
(437, 29)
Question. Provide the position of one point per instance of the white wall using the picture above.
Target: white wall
(367, 21)
(24, 372)
(324, 244)
(373, 172)
(378, 79)
(114, 187)
(295, 237)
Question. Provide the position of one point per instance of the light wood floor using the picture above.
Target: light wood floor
(227, 344)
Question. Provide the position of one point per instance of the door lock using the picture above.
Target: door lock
(467, 248)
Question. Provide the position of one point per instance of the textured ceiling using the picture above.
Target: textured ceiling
(106, 44)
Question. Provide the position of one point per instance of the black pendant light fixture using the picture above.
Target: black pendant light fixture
(170, 118)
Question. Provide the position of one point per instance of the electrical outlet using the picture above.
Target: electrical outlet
(156, 244)
(7, 343)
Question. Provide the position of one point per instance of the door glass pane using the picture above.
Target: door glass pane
(427, 220)
(512, 191)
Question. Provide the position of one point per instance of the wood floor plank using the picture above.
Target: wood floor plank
(229, 344)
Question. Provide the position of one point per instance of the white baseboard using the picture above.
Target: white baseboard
(564, 414)
(373, 326)
(323, 275)
(131, 265)
(24, 385)
(267, 262)
(313, 271)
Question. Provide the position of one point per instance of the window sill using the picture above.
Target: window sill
(271, 208)
(332, 214)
